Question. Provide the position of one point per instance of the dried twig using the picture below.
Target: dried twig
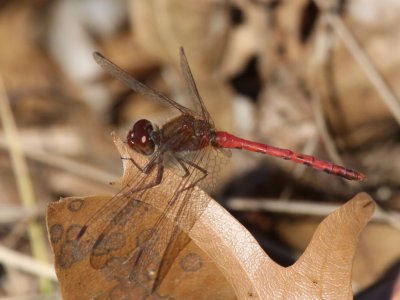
(303, 208)
(11, 214)
(66, 164)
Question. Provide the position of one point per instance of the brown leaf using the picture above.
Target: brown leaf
(323, 271)
(216, 258)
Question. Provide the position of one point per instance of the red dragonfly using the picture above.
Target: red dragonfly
(191, 145)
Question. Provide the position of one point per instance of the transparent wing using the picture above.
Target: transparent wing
(169, 235)
(133, 188)
(146, 256)
(192, 88)
(146, 243)
(211, 159)
(136, 85)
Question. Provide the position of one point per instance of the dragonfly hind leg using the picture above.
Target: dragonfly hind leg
(182, 162)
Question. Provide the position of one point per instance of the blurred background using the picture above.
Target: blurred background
(316, 78)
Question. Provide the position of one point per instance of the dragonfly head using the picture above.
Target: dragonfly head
(141, 137)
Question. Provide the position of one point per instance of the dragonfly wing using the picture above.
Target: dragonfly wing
(211, 159)
(131, 238)
(136, 85)
(169, 233)
(191, 84)
(120, 238)
(174, 247)
(158, 250)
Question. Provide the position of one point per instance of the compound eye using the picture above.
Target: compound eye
(139, 137)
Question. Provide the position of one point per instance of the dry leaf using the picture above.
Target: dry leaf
(220, 260)
(367, 266)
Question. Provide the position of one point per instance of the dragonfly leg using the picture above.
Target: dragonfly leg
(134, 163)
(157, 180)
(182, 162)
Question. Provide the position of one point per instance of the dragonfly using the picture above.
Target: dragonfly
(190, 145)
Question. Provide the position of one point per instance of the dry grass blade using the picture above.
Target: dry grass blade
(23, 262)
(25, 188)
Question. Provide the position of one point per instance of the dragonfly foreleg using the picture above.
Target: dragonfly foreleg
(134, 163)
(157, 180)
